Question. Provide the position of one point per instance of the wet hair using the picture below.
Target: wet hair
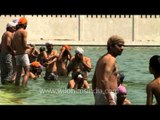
(21, 26)
(41, 49)
(121, 78)
(65, 53)
(48, 44)
(154, 63)
(115, 39)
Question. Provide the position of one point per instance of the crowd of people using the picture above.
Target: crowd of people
(20, 59)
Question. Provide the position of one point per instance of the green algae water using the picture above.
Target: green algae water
(133, 63)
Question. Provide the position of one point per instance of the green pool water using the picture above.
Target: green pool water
(133, 62)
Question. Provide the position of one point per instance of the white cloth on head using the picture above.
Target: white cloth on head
(15, 20)
(80, 76)
(79, 50)
(11, 24)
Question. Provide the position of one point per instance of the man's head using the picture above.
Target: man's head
(49, 46)
(22, 20)
(154, 64)
(11, 26)
(122, 92)
(41, 49)
(79, 53)
(115, 44)
(121, 95)
(79, 50)
(22, 23)
(67, 47)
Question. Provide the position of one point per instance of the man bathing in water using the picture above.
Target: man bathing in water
(153, 88)
(105, 79)
(63, 58)
(6, 53)
(50, 64)
(122, 92)
(20, 46)
(79, 63)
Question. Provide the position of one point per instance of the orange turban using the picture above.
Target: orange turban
(67, 47)
(22, 20)
(35, 64)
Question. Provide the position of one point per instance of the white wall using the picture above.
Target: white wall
(89, 29)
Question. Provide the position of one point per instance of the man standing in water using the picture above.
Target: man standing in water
(105, 79)
(20, 46)
(79, 63)
(153, 88)
(6, 53)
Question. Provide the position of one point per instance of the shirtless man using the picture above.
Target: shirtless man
(13, 56)
(50, 64)
(20, 46)
(153, 88)
(64, 57)
(6, 53)
(33, 53)
(41, 55)
(79, 63)
(105, 79)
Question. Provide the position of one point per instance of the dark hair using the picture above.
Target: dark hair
(41, 49)
(21, 26)
(154, 63)
(65, 53)
(48, 44)
(121, 78)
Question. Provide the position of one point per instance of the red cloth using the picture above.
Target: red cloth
(22, 20)
(67, 47)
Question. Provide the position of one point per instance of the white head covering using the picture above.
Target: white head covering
(80, 76)
(79, 50)
(11, 24)
(15, 20)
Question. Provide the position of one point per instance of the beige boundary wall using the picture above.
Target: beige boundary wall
(89, 29)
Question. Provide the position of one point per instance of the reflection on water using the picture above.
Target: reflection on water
(10, 94)
(133, 62)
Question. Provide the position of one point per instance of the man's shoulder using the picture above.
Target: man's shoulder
(151, 84)
(54, 51)
(21, 30)
(73, 58)
(8, 33)
(108, 57)
(86, 58)
(154, 83)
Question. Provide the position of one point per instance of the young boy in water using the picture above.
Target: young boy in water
(122, 92)
(153, 88)
(78, 82)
